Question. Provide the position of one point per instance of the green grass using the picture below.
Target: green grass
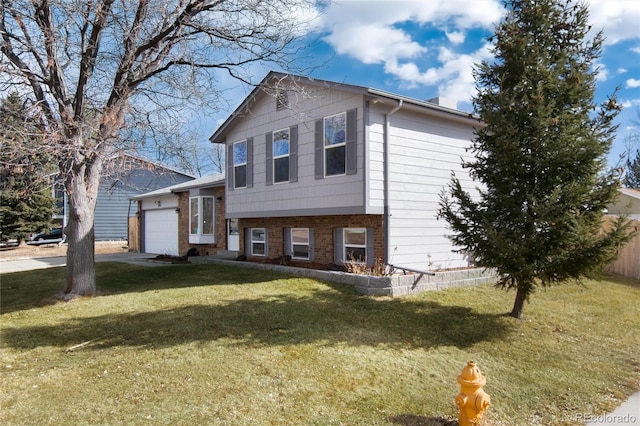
(198, 344)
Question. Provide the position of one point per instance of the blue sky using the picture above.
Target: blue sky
(427, 48)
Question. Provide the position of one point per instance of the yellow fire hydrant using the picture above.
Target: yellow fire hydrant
(472, 400)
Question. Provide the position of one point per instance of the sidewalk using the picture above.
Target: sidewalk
(8, 266)
(628, 414)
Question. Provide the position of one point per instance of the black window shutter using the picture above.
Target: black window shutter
(293, 154)
(338, 252)
(319, 149)
(269, 138)
(229, 159)
(352, 157)
(249, 162)
(287, 242)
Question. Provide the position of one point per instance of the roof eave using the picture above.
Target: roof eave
(219, 136)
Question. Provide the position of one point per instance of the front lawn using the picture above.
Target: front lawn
(205, 344)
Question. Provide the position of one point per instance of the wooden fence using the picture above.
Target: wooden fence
(134, 234)
(628, 262)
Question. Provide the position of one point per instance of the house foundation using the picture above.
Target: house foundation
(393, 285)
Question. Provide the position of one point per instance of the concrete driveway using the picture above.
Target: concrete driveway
(8, 266)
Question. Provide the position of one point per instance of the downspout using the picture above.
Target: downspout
(387, 209)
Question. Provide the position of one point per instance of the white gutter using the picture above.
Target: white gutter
(387, 212)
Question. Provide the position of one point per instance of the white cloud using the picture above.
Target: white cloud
(369, 30)
(635, 49)
(603, 73)
(457, 80)
(371, 44)
(461, 13)
(372, 32)
(392, 33)
(455, 37)
(618, 19)
(633, 83)
(628, 103)
(622, 70)
(454, 78)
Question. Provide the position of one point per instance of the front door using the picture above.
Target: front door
(233, 235)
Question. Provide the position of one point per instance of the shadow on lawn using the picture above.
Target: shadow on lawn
(326, 317)
(29, 289)
(413, 420)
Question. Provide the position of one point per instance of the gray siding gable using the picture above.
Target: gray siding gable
(112, 205)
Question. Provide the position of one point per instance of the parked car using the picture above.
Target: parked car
(9, 243)
(54, 235)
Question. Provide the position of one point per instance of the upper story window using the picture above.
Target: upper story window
(281, 151)
(240, 164)
(282, 155)
(201, 219)
(335, 147)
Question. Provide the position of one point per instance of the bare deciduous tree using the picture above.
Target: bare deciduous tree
(91, 68)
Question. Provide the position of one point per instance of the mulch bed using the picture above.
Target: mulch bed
(171, 259)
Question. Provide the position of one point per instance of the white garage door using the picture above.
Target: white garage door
(161, 231)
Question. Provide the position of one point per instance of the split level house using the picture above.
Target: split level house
(328, 173)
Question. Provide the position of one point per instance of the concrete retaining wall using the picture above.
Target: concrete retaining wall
(395, 285)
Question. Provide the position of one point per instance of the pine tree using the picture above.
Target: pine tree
(540, 156)
(26, 199)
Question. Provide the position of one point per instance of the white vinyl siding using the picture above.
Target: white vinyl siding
(303, 193)
(424, 151)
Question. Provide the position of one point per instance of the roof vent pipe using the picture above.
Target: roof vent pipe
(444, 102)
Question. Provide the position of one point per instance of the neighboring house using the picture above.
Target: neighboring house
(180, 217)
(627, 203)
(326, 173)
(124, 176)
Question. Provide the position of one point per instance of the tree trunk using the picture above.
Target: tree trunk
(518, 305)
(82, 189)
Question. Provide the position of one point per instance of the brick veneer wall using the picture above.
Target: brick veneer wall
(322, 226)
(183, 226)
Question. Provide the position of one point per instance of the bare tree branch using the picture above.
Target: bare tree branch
(96, 72)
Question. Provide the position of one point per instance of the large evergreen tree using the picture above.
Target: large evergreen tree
(26, 199)
(540, 154)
